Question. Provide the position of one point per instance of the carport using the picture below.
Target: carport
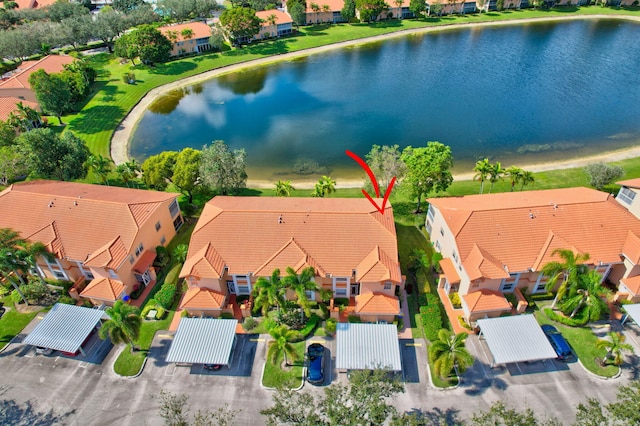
(517, 338)
(633, 312)
(203, 341)
(367, 347)
(65, 328)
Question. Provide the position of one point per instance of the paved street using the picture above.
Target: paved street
(90, 394)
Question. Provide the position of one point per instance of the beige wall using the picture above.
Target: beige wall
(480, 315)
(183, 47)
(376, 318)
(314, 18)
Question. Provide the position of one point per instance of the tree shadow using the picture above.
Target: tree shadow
(97, 119)
(173, 68)
(435, 416)
(14, 413)
(108, 90)
(475, 382)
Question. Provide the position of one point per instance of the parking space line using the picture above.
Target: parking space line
(414, 344)
(165, 336)
(30, 354)
(83, 364)
(170, 370)
(257, 340)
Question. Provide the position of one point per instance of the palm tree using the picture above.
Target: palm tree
(272, 19)
(124, 324)
(316, 8)
(281, 344)
(284, 188)
(29, 254)
(399, 3)
(615, 347)
(100, 166)
(449, 352)
(180, 252)
(589, 295)
(268, 292)
(526, 178)
(9, 238)
(300, 284)
(569, 270)
(324, 187)
(9, 266)
(515, 175)
(25, 118)
(495, 173)
(326, 9)
(187, 33)
(482, 171)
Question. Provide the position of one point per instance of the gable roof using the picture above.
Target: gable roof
(334, 5)
(630, 183)
(202, 298)
(632, 283)
(200, 30)
(79, 221)
(259, 234)
(103, 289)
(518, 231)
(485, 301)
(377, 266)
(111, 255)
(20, 78)
(8, 105)
(377, 303)
(34, 4)
(281, 17)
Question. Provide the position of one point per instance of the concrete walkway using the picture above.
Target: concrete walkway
(405, 333)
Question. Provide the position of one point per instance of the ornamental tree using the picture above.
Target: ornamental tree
(428, 169)
(241, 23)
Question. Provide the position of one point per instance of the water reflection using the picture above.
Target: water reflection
(246, 82)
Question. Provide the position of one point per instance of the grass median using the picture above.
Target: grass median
(274, 376)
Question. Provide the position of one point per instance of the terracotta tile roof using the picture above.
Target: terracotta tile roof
(74, 219)
(34, 4)
(290, 255)
(336, 234)
(8, 105)
(479, 263)
(631, 183)
(202, 298)
(334, 5)
(377, 303)
(111, 255)
(281, 17)
(631, 248)
(145, 261)
(449, 271)
(205, 263)
(377, 266)
(516, 231)
(20, 79)
(486, 300)
(632, 283)
(103, 289)
(200, 30)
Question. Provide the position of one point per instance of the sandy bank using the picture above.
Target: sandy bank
(122, 134)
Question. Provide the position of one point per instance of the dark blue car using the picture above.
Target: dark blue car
(315, 370)
(560, 345)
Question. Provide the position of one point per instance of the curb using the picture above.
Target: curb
(304, 369)
(135, 376)
(597, 376)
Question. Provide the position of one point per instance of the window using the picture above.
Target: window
(163, 240)
(131, 259)
(113, 274)
(438, 246)
(139, 249)
(341, 287)
(430, 213)
(340, 292)
(509, 284)
(626, 195)
(454, 255)
(158, 226)
(387, 286)
(56, 269)
(311, 295)
(177, 223)
(442, 231)
(429, 227)
(174, 209)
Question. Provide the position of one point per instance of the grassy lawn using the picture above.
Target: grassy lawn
(12, 323)
(274, 376)
(583, 342)
(440, 382)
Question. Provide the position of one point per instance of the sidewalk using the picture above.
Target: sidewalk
(405, 333)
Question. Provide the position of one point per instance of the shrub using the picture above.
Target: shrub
(431, 316)
(165, 296)
(151, 304)
(35, 290)
(161, 312)
(87, 303)
(542, 296)
(162, 257)
(324, 310)
(129, 78)
(311, 324)
(249, 324)
(330, 326)
(66, 285)
(354, 319)
(512, 299)
(135, 294)
(174, 274)
(292, 319)
(226, 315)
(399, 322)
(578, 321)
(464, 323)
(67, 300)
(455, 300)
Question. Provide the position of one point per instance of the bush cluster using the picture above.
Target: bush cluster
(249, 324)
(167, 293)
(354, 319)
(67, 300)
(330, 326)
(455, 300)
(162, 257)
(311, 324)
(431, 316)
(292, 319)
(153, 304)
(578, 321)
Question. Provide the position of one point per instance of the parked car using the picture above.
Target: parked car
(558, 342)
(43, 351)
(315, 370)
(212, 367)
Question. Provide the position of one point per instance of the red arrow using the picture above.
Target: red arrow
(374, 181)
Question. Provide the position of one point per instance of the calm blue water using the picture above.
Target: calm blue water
(517, 94)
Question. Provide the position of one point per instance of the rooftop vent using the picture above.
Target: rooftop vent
(50, 204)
(280, 219)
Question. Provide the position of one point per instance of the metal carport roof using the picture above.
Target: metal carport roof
(65, 327)
(633, 312)
(515, 339)
(367, 347)
(203, 341)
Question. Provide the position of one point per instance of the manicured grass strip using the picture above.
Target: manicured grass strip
(440, 382)
(583, 342)
(12, 323)
(274, 376)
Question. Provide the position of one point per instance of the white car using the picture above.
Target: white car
(43, 351)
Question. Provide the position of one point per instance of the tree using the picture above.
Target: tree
(370, 9)
(428, 169)
(301, 284)
(241, 23)
(51, 156)
(315, 8)
(449, 352)
(284, 188)
(526, 178)
(128, 171)
(175, 411)
(515, 175)
(157, 170)
(386, 163)
(348, 11)
(24, 118)
(324, 187)
(79, 77)
(615, 347)
(495, 173)
(217, 37)
(625, 410)
(602, 174)
(186, 172)
(80, 29)
(268, 292)
(281, 344)
(399, 4)
(418, 7)
(101, 166)
(501, 415)
(223, 169)
(53, 93)
(126, 5)
(108, 25)
(482, 169)
(153, 46)
(13, 164)
(123, 325)
(126, 47)
(589, 295)
(299, 13)
(568, 270)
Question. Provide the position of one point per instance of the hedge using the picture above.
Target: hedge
(174, 274)
(311, 324)
(578, 321)
(167, 293)
(431, 315)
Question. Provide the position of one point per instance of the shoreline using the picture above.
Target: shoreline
(119, 144)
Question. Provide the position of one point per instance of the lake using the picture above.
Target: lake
(516, 94)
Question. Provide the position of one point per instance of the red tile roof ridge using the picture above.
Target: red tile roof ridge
(631, 183)
(494, 299)
(377, 303)
(103, 289)
(202, 298)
